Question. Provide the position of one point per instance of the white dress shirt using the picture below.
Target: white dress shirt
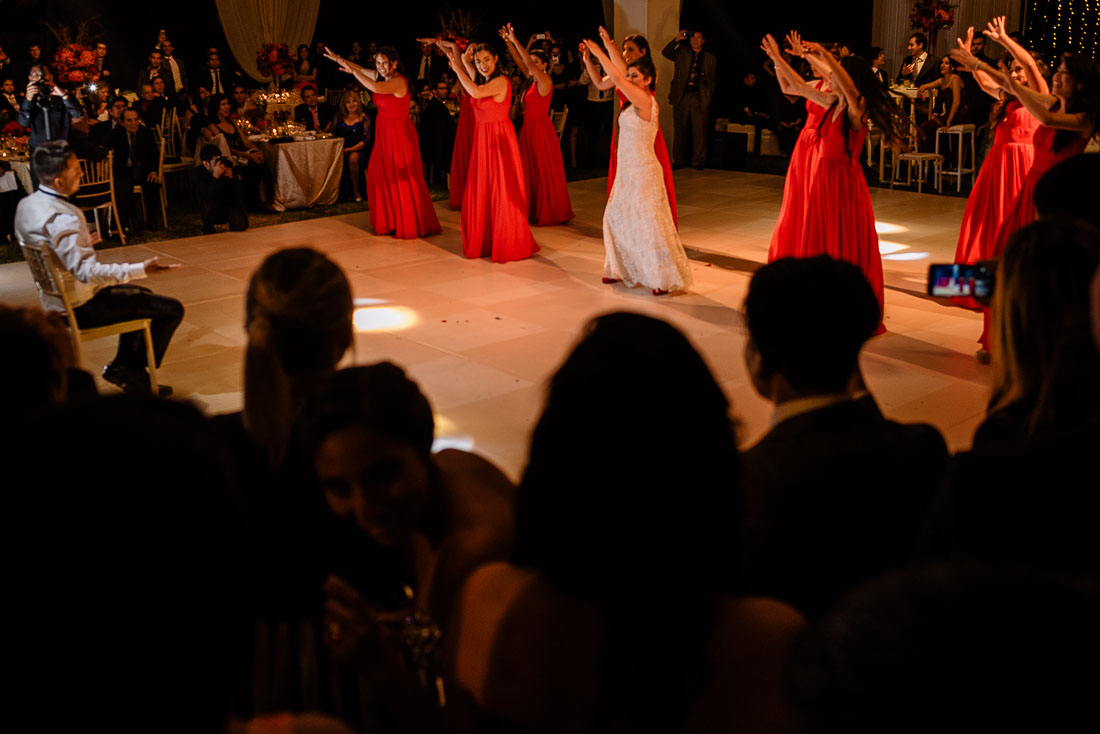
(918, 64)
(48, 218)
(177, 80)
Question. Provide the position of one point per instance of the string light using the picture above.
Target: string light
(1054, 26)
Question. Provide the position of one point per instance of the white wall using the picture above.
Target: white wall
(658, 21)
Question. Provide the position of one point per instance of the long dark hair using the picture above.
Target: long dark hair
(647, 539)
(879, 107)
(641, 42)
(391, 53)
(1085, 72)
(1007, 59)
(479, 79)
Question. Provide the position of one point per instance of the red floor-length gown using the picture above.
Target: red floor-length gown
(1001, 179)
(1022, 211)
(659, 148)
(786, 237)
(839, 220)
(397, 196)
(460, 156)
(494, 207)
(547, 195)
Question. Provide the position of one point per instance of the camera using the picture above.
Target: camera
(224, 161)
(976, 281)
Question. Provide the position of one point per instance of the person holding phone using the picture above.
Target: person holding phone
(100, 293)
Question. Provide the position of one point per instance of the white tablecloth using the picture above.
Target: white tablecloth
(307, 173)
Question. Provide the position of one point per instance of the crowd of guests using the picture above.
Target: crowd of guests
(310, 564)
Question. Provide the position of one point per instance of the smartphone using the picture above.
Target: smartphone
(976, 281)
(540, 37)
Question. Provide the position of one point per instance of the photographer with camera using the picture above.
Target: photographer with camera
(48, 110)
(218, 192)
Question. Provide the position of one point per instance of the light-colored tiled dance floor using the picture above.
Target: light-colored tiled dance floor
(482, 339)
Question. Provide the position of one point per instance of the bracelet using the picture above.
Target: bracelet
(977, 64)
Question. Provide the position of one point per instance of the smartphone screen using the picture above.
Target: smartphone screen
(975, 281)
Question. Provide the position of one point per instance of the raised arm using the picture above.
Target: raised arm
(1039, 105)
(789, 80)
(996, 31)
(369, 77)
(669, 51)
(496, 88)
(524, 61)
(512, 51)
(839, 80)
(614, 53)
(600, 81)
(968, 61)
(640, 98)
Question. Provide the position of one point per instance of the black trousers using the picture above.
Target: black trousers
(690, 116)
(125, 302)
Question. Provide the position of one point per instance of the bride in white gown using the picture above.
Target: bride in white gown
(639, 236)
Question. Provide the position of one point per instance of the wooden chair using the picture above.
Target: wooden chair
(175, 158)
(97, 191)
(54, 281)
(558, 118)
(163, 197)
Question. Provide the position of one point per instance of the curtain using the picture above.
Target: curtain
(890, 27)
(249, 24)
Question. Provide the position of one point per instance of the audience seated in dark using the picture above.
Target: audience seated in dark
(834, 493)
(218, 192)
(353, 125)
(101, 132)
(11, 99)
(1045, 365)
(953, 648)
(433, 519)
(136, 163)
(149, 106)
(611, 614)
(314, 113)
(752, 107)
(172, 70)
(437, 133)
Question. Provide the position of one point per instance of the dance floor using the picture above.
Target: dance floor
(482, 338)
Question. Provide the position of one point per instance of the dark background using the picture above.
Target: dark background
(733, 30)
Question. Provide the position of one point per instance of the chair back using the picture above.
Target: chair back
(97, 185)
(332, 96)
(48, 278)
(170, 133)
(558, 118)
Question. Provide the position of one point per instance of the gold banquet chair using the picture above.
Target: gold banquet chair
(558, 118)
(53, 281)
(97, 191)
(163, 196)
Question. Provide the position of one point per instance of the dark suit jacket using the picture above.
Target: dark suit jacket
(929, 72)
(832, 498)
(325, 113)
(146, 75)
(147, 153)
(101, 132)
(151, 111)
(170, 81)
(205, 78)
(680, 52)
(13, 111)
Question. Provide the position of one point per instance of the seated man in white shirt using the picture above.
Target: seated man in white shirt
(100, 293)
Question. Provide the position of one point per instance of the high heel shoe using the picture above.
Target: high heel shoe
(609, 280)
(660, 292)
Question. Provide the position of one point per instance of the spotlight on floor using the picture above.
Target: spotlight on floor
(888, 228)
(906, 256)
(383, 318)
(886, 247)
(445, 429)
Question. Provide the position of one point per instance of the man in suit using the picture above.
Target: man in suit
(216, 77)
(137, 159)
(152, 71)
(917, 66)
(149, 106)
(100, 293)
(101, 132)
(101, 63)
(10, 100)
(834, 493)
(692, 90)
(171, 69)
(313, 113)
(429, 65)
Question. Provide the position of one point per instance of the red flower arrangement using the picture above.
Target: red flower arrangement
(273, 59)
(932, 15)
(75, 63)
(14, 129)
(458, 41)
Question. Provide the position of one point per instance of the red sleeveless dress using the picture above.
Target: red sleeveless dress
(397, 196)
(659, 148)
(999, 182)
(788, 228)
(460, 156)
(1022, 212)
(494, 207)
(839, 220)
(547, 195)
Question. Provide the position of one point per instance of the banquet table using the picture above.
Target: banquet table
(21, 171)
(306, 173)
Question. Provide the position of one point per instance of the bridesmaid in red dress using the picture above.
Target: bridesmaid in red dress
(839, 220)
(787, 235)
(634, 46)
(1067, 118)
(397, 196)
(1010, 158)
(460, 156)
(494, 205)
(547, 194)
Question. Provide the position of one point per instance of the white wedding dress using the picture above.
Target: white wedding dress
(639, 236)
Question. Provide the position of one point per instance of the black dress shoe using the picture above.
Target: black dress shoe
(133, 381)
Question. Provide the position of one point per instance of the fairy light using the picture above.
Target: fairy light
(1054, 26)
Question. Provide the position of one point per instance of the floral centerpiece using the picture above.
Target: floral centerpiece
(14, 138)
(932, 16)
(75, 63)
(273, 60)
